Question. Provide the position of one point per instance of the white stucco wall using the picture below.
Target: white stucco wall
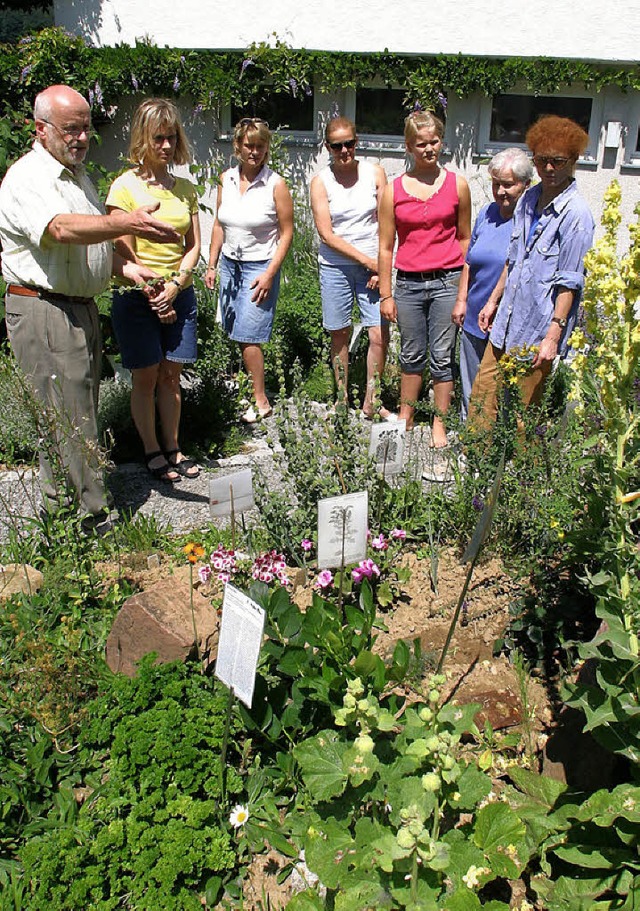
(590, 29)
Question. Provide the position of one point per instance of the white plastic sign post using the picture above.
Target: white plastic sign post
(231, 494)
(387, 447)
(241, 631)
(342, 529)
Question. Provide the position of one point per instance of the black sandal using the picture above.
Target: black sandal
(183, 466)
(160, 472)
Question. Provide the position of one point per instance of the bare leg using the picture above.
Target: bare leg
(254, 362)
(143, 411)
(340, 339)
(410, 386)
(169, 402)
(442, 396)
(376, 357)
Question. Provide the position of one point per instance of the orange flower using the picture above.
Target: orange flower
(193, 551)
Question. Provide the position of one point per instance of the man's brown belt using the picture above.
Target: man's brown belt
(28, 291)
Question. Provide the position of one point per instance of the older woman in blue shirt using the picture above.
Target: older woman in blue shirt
(511, 172)
(535, 301)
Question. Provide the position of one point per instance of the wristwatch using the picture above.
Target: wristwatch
(561, 321)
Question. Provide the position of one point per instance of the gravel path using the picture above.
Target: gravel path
(185, 506)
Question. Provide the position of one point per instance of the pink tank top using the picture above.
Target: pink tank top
(427, 229)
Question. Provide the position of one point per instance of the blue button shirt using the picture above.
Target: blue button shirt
(542, 264)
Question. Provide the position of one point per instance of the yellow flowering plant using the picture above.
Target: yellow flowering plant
(606, 371)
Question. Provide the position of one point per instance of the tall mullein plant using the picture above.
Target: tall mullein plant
(607, 382)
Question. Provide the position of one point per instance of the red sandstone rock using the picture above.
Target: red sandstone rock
(160, 620)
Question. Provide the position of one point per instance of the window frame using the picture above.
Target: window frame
(290, 137)
(487, 146)
(631, 158)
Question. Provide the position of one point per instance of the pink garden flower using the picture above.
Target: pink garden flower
(364, 570)
(306, 545)
(204, 573)
(399, 534)
(379, 543)
(324, 580)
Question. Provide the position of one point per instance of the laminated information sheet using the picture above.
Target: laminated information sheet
(387, 446)
(231, 493)
(241, 631)
(342, 529)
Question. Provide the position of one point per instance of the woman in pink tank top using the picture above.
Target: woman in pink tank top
(429, 210)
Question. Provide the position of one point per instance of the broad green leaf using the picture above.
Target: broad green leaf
(293, 661)
(473, 786)
(604, 807)
(593, 858)
(385, 850)
(542, 789)
(401, 658)
(363, 896)
(572, 890)
(497, 826)
(360, 767)
(426, 898)
(320, 760)
(327, 852)
(384, 595)
(463, 899)
(367, 664)
(306, 901)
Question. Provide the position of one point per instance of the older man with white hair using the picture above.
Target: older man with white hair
(56, 257)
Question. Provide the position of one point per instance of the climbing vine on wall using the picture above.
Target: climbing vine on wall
(215, 78)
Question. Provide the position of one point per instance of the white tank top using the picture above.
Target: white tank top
(249, 219)
(354, 214)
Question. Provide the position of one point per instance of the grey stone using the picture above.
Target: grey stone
(160, 620)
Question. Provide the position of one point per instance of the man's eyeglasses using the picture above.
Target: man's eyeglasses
(251, 120)
(339, 146)
(72, 132)
(557, 162)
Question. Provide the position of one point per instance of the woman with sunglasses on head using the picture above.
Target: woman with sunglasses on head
(251, 236)
(157, 330)
(345, 198)
(429, 210)
(536, 300)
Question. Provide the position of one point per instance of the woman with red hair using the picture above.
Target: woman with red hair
(536, 300)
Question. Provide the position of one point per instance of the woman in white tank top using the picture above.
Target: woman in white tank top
(345, 198)
(251, 236)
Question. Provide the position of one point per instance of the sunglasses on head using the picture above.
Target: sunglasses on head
(247, 120)
(339, 146)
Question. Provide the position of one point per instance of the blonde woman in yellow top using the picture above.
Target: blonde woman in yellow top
(156, 328)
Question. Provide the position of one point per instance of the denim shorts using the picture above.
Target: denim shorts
(340, 286)
(143, 340)
(244, 320)
(427, 335)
